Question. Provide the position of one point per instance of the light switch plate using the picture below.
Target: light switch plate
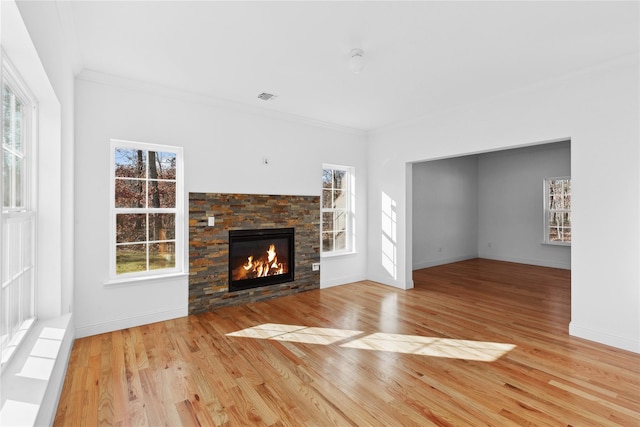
(212, 221)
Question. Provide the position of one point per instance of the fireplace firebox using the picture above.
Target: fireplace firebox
(261, 257)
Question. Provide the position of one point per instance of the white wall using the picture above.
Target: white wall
(445, 211)
(598, 110)
(510, 204)
(223, 150)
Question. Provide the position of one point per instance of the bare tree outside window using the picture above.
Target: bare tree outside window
(145, 209)
(336, 209)
(558, 210)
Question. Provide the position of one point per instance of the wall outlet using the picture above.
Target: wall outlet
(211, 221)
(315, 266)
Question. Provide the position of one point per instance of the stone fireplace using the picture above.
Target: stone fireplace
(233, 262)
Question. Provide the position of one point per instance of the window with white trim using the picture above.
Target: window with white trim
(146, 201)
(18, 296)
(557, 210)
(337, 209)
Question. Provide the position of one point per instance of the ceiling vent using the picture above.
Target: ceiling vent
(267, 96)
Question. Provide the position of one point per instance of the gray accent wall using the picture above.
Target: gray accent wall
(445, 211)
(510, 204)
(488, 206)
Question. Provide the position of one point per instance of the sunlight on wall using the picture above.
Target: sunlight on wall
(449, 348)
(389, 222)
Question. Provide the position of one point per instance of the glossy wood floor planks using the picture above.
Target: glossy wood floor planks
(477, 342)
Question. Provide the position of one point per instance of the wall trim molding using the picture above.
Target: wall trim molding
(344, 280)
(530, 261)
(130, 322)
(436, 262)
(605, 338)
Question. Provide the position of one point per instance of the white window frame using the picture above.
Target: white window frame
(548, 211)
(178, 210)
(19, 224)
(349, 211)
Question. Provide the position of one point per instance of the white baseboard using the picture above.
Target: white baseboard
(530, 261)
(341, 281)
(630, 344)
(442, 261)
(129, 322)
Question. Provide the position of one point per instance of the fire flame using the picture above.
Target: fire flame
(264, 267)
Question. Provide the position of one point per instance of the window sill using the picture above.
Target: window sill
(337, 254)
(566, 244)
(143, 279)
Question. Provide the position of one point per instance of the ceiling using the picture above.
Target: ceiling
(421, 56)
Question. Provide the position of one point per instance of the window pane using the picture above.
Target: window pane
(18, 260)
(162, 194)
(340, 179)
(19, 189)
(340, 199)
(131, 258)
(336, 198)
(327, 178)
(327, 242)
(4, 316)
(162, 226)
(340, 241)
(327, 221)
(326, 199)
(17, 126)
(7, 179)
(162, 255)
(130, 163)
(11, 120)
(559, 227)
(6, 115)
(131, 228)
(130, 193)
(27, 296)
(340, 221)
(162, 165)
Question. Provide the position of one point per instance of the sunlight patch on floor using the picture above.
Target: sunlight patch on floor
(482, 351)
(292, 333)
(435, 347)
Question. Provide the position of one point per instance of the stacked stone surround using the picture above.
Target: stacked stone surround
(209, 245)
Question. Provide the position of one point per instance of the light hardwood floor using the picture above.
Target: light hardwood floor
(475, 343)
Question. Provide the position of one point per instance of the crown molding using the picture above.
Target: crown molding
(211, 101)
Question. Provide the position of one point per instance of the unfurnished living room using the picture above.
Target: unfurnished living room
(315, 213)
